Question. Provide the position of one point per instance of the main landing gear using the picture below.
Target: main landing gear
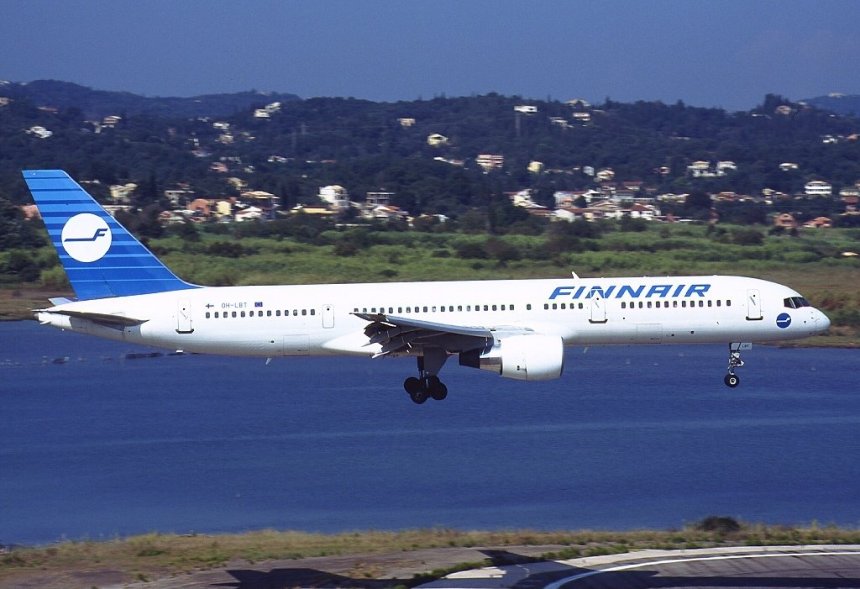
(427, 385)
(732, 380)
(421, 389)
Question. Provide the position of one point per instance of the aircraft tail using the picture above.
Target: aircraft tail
(100, 257)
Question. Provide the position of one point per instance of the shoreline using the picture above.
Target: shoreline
(383, 559)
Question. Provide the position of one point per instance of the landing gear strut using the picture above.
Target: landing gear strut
(732, 380)
(427, 385)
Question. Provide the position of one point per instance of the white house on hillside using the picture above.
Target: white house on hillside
(818, 188)
(335, 196)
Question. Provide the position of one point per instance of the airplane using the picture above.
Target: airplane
(515, 328)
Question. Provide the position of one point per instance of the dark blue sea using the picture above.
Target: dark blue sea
(99, 446)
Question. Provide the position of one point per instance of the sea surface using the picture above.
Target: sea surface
(94, 445)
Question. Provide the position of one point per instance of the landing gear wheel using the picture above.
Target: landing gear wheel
(416, 389)
(418, 397)
(436, 388)
(412, 385)
(732, 380)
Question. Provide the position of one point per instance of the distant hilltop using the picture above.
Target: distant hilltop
(841, 104)
(101, 103)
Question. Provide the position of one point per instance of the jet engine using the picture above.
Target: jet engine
(521, 357)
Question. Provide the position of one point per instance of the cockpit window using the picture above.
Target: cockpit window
(796, 302)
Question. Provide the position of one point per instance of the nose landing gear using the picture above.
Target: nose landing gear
(731, 379)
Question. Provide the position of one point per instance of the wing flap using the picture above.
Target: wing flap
(397, 335)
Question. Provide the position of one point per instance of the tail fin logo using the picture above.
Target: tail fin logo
(86, 237)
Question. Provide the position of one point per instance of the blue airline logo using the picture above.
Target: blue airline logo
(783, 320)
(100, 232)
(619, 291)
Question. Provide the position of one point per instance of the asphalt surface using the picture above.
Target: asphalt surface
(789, 567)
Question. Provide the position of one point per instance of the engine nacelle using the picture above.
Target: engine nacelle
(522, 357)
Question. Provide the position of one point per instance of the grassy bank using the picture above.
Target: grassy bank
(158, 555)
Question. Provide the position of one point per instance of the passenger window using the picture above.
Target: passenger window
(278, 312)
(528, 307)
(242, 314)
(234, 313)
(709, 303)
(304, 312)
(494, 307)
(546, 306)
(207, 314)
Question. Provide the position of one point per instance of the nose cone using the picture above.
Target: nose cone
(822, 322)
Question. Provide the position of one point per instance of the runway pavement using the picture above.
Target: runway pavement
(775, 567)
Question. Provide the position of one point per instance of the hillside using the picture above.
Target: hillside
(299, 145)
(102, 103)
(842, 104)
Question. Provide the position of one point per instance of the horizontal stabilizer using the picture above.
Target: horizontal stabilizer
(105, 319)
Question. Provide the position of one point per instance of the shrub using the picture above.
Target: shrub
(719, 524)
(54, 278)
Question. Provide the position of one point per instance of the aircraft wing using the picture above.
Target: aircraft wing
(400, 334)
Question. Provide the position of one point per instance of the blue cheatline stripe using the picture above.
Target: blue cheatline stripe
(127, 268)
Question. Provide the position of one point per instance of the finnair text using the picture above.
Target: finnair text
(617, 291)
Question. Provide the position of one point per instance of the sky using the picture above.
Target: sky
(723, 53)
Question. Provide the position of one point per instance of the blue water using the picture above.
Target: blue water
(629, 437)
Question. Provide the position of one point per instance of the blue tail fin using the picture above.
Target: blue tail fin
(99, 256)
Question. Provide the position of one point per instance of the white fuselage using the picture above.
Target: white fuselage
(273, 321)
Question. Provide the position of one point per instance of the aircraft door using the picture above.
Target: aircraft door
(328, 316)
(183, 316)
(598, 307)
(753, 305)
